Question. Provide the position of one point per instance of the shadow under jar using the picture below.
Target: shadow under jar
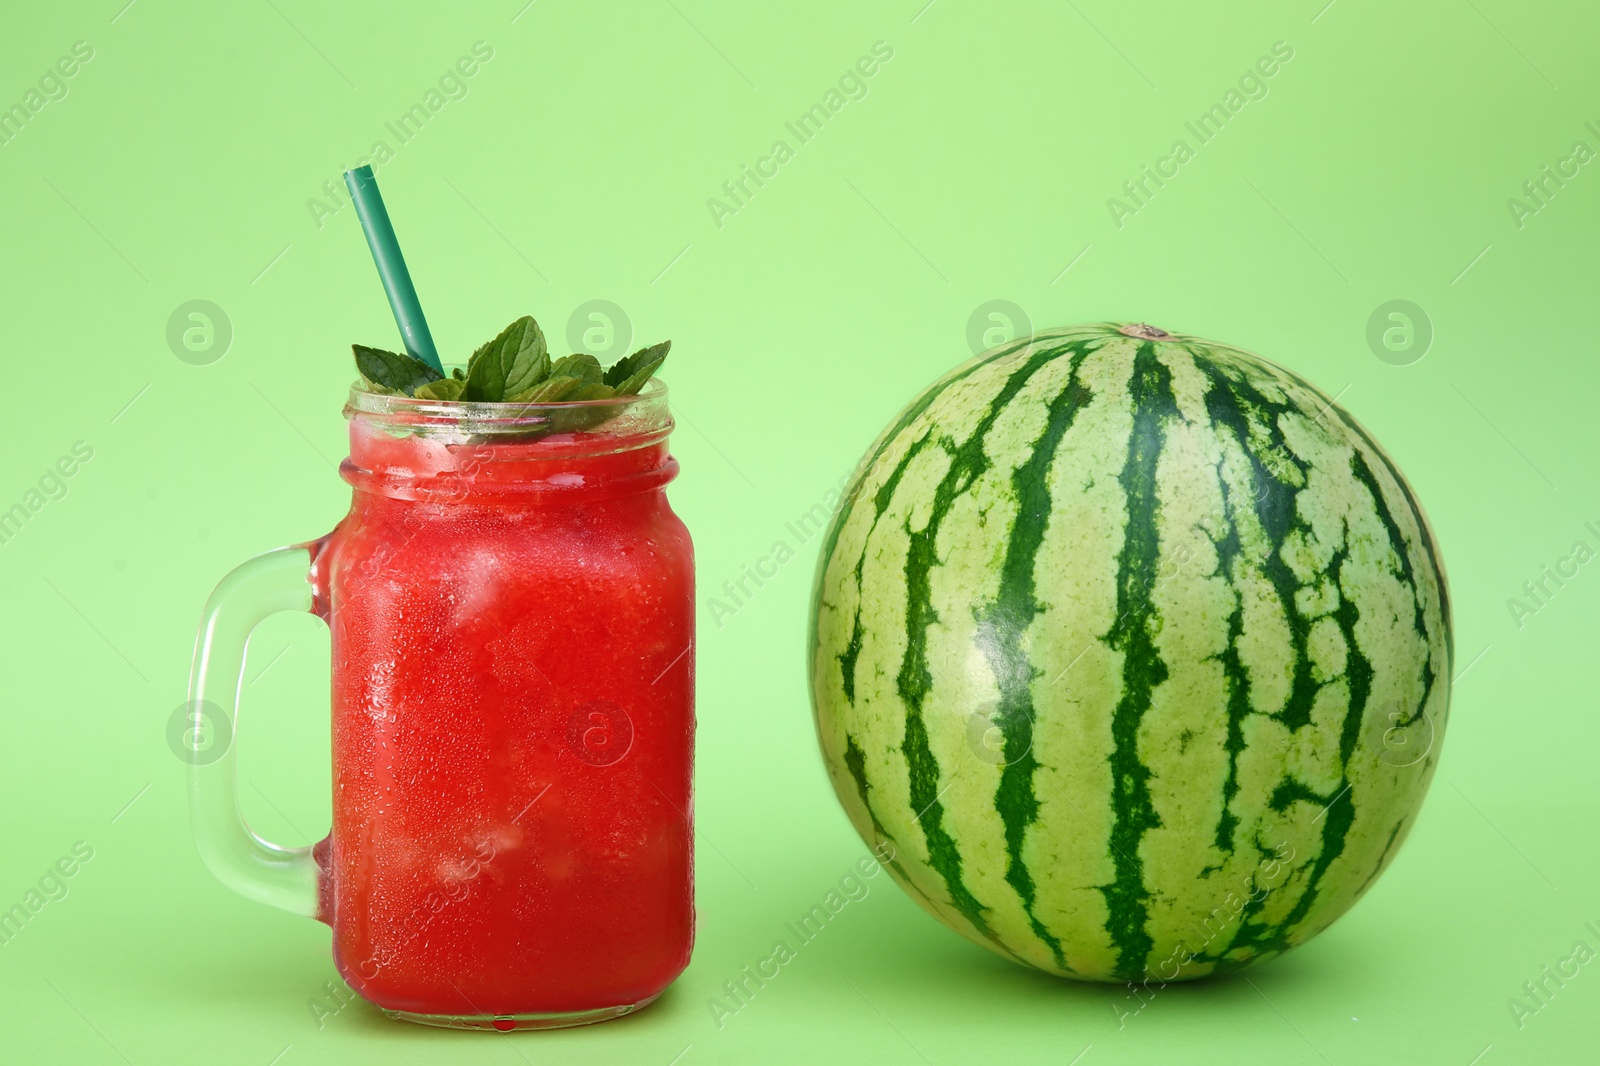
(511, 600)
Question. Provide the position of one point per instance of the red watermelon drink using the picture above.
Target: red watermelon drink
(512, 713)
(511, 600)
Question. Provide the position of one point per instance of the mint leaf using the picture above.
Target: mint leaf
(632, 372)
(573, 419)
(594, 390)
(393, 371)
(513, 362)
(552, 389)
(580, 365)
(443, 389)
(459, 374)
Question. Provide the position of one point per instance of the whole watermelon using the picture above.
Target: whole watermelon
(1134, 650)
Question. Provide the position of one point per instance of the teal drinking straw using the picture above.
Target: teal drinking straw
(391, 266)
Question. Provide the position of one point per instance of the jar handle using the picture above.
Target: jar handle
(284, 877)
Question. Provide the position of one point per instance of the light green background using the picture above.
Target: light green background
(578, 167)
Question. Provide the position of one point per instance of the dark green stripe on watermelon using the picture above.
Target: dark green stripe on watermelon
(885, 493)
(967, 463)
(1339, 814)
(1273, 501)
(856, 762)
(1233, 671)
(1388, 846)
(1133, 812)
(1235, 403)
(1000, 630)
(1404, 570)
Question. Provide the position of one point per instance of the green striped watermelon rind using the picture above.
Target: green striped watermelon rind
(1039, 907)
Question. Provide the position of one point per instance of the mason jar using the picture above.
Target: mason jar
(510, 599)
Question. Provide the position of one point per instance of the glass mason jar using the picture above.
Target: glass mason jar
(512, 616)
